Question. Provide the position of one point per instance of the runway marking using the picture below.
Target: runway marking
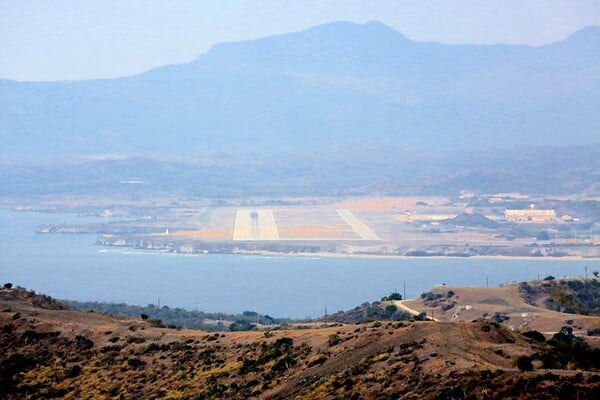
(363, 230)
(255, 225)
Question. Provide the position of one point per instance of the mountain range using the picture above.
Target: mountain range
(332, 87)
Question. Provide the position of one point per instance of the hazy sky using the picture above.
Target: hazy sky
(55, 40)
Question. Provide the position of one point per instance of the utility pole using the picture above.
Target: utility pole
(585, 271)
(486, 282)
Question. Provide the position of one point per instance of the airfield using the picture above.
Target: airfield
(296, 224)
(406, 226)
(373, 220)
(391, 226)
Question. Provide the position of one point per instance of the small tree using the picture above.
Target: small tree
(390, 309)
(596, 273)
(395, 296)
(241, 325)
(9, 285)
(334, 339)
(524, 363)
(422, 316)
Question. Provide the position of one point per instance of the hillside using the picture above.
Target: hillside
(54, 353)
(338, 85)
(346, 171)
(472, 220)
(544, 306)
(341, 108)
(571, 296)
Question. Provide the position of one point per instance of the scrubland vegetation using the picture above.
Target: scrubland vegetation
(57, 353)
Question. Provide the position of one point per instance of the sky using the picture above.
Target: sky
(71, 40)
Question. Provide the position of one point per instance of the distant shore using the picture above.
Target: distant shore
(395, 256)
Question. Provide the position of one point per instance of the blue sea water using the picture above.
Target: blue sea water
(73, 267)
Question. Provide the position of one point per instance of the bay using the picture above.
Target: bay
(73, 267)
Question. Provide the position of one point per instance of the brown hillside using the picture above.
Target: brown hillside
(53, 353)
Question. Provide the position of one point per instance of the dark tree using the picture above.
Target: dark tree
(241, 325)
(524, 363)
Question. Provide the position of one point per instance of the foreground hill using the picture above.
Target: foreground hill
(50, 352)
(333, 86)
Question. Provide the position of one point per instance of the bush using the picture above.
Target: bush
(241, 325)
(135, 363)
(430, 296)
(156, 323)
(334, 339)
(73, 372)
(83, 343)
(524, 363)
(391, 309)
(422, 316)
(395, 296)
(284, 363)
(16, 363)
(535, 335)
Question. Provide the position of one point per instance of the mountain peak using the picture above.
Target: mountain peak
(589, 34)
(353, 31)
(316, 43)
(338, 83)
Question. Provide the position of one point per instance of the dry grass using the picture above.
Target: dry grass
(111, 357)
(480, 302)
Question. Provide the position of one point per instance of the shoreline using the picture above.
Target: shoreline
(392, 256)
(322, 254)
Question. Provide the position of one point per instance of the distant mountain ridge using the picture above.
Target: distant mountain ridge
(335, 84)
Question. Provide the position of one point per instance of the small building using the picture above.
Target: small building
(530, 215)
